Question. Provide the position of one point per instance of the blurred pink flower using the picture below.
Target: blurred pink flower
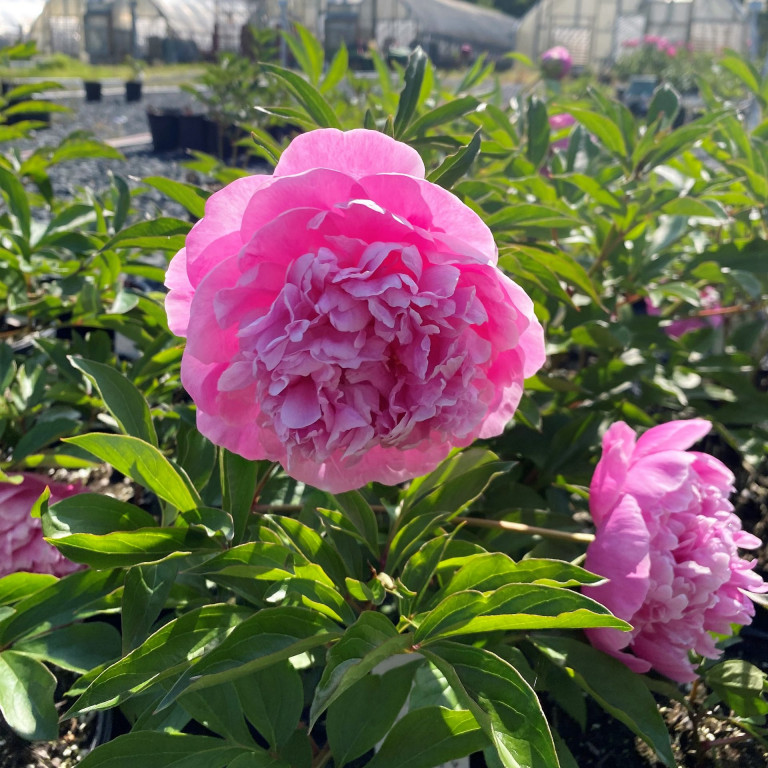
(556, 62)
(651, 39)
(559, 122)
(667, 540)
(22, 547)
(633, 42)
(710, 299)
(346, 317)
(671, 51)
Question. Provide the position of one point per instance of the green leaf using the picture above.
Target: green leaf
(122, 549)
(163, 233)
(77, 647)
(514, 607)
(665, 103)
(16, 196)
(370, 640)
(17, 586)
(740, 685)
(121, 397)
(409, 96)
(217, 708)
(42, 434)
(144, 464)
(422, 565)
(311, 56)
(93, 513)
(26, 697)
(313, 547)
(336, 70)
(502, 702)
(269, 636)
(239, 479)
(537, 131)
(165, 653)
(188, 195)
(616, 688)
(429, 737)
(445, 113)
(318, 596)
(150, 749)
(275, 717)
(76, 596)
(358, 511)
(146, 589)
(528, 215)
(601, 126)
(492, 570)
(319, 110)
(364, 713)
(456, 165)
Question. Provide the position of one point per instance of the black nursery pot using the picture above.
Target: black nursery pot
(192, 132)
(92, 90)
(133, 90)
(164, 127)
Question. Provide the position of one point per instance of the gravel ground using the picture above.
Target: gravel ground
(108, 119)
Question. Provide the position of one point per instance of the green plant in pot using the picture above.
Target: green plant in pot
(133, 85)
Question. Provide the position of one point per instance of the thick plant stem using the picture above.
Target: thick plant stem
(533, 530)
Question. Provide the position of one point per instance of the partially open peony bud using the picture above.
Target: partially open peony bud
(346, 317)
(556, 63)
(667, 540)
(22, 547)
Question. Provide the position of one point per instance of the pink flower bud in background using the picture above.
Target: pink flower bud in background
(22, 547)
(633, 42)
(667, 540)
(347, 318)
(560, 122)
(556, 63)
(710, 299)
(671, 51)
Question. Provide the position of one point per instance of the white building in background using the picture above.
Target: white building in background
(594, 30)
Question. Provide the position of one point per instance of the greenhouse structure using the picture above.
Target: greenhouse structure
(181, 30)
(109, 30)
(595, 31)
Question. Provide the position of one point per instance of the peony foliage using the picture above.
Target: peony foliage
(436, 436)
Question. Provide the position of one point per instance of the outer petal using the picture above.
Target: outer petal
(180, 293)
(217, 234)
(624, 531)
(357, 153)
(611, 470)
(674, 435)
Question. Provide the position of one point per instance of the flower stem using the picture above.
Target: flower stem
(533, 530)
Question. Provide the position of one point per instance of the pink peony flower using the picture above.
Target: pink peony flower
(556, 62)
(346, 317)
(22, 547)
(667, 540)
(633, 42)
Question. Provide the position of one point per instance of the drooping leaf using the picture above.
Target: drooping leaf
(430, 737)
(26, 696)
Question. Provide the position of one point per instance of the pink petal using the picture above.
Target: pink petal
(674, 435)
(357, 153)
